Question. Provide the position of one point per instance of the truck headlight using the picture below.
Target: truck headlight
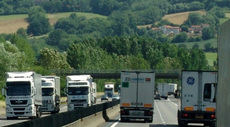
(7, 109)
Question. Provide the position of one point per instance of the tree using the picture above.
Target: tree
(182, 37)
(208, 33)
(52, 59)
(56, 36)
(38, 23)
(194, 19)
(208, 47)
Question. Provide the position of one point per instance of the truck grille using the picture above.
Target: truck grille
(18, 109)
(18, 102)
(44, 101)
(78, 101)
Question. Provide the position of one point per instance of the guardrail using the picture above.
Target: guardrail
(65, 118)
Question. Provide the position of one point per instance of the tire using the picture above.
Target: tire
(11, 118)
(182, 124)
(212, 124)
(123, 120)
(38, 112)
(149, 120)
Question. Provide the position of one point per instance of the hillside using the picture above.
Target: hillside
(11, 23)
(179, 18)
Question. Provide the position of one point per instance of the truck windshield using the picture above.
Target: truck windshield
(18, 88)
(109, 92)
(47, 91)
(78, 91)
(78, 83)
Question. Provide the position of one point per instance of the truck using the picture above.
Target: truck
(137, 95)
(172, 89)
(80, 91)
(163, 90)
(109, 89)
(23, 95)
(50, 94)
(198, 98)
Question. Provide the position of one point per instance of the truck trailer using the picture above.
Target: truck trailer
(198, 98)
(50, 94)
(137, 95)
(163, 90)
(80, 91)
(23, 95)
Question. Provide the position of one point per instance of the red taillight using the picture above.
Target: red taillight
(150, 113)
(213, 116)
(185, 115)
(122, 112)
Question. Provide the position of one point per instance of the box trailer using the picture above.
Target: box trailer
(198, 98)
(137, 95)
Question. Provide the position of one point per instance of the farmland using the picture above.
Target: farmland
(11, 23)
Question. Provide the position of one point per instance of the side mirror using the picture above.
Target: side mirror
(4, 92)
(65, 90)
(33, 92)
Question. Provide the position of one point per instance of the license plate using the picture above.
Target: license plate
(136, 113)
(199, 116)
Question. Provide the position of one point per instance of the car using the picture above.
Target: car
(115, 97)
(104, 97)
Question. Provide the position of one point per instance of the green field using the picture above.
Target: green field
(200, 43)
(211, 57)
(11, 23)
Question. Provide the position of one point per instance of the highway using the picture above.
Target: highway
(5, 122)
(165, 115)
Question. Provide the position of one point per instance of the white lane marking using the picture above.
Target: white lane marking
(160, 115)
(115, 124)
(173, 103)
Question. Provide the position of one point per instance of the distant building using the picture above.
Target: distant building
(166, 29)
(197, 29)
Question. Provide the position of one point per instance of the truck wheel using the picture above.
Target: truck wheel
(149, 120)
(11, 118)
(182, 124)
(123, 120)
(38, 112)
(212, 124)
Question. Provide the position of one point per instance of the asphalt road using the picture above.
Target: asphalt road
(165, 115)
(5, 122)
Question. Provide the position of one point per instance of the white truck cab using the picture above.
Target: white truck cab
(198, 98)
(23, 95)
(50, 94)
(109, 90)
(79, 91)
(137, 95)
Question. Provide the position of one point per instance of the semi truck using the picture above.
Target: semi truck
(198, 98)
(109, 89)
(23, 95)
(50, 94)
(163, 90)
(137, 95)
(80, 91)
(172, 89)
